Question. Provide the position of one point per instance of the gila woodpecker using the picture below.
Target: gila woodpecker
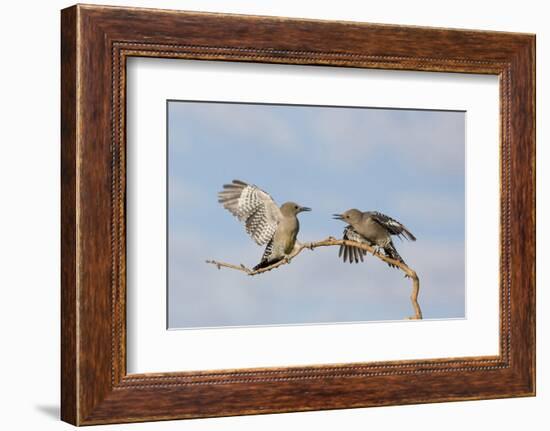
(372, 228)
(264, 221)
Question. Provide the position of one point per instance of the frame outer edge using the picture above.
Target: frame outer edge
(532, 199)
(87, 396)
(530, 62)
(69, 201)
(523, 216)
(533, 54)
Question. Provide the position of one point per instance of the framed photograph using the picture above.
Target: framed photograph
(264, 214)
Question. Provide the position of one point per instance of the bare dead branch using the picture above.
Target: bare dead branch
(329, 242)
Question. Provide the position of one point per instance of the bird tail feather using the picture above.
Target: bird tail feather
(348, 252)
(264, 263)
(353, 254)
(407, 234)
(392, 253)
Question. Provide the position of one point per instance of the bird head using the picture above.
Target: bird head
(292, 208)
(350, 216)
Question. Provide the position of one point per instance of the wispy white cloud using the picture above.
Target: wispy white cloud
(352, 138)
(338, 136)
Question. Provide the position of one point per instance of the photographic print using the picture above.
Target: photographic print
(297, 214)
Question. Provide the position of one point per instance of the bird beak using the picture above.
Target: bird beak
(304, 209)
(337, 216)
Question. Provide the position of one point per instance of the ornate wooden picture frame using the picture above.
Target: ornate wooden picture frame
(96, 41)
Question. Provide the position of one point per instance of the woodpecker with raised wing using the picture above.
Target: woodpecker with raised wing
(266, 223)
(372, 228)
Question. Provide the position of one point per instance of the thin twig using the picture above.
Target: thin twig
(329, 242)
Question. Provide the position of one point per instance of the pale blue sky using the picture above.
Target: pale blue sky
(408, 164)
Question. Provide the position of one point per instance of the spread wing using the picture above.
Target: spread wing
(392, 226)
(354, 254)
(252, 206)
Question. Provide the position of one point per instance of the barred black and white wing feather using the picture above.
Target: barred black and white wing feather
(392, 226)
(354, 254)
(252, 206)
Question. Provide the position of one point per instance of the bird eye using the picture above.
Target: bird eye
(296, 207)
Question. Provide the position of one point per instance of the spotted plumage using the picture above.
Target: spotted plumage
(252, 206)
